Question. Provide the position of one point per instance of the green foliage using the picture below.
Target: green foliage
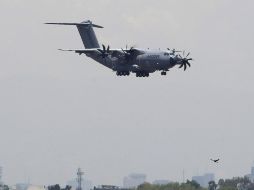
(231, 184)
(236, 183)
(227, 188)
(189, 185)
(212, 185)
(193, 183)
(57, 187)
(4, 187)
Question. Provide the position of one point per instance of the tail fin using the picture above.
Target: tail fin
(86, 32)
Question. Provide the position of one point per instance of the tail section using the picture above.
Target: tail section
(88, 35)
(86, 32)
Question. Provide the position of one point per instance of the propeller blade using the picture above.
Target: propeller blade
(185, 67)
(104, 52)
(187, 54)
(188, 64)
(124, 50)
(181, 66)
(101, 51)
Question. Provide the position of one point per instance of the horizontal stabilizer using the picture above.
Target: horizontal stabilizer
(86, 32)
(75, 24)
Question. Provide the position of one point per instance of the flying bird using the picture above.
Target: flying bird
(215, 161)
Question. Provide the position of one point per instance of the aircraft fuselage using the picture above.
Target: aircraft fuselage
(147, 61)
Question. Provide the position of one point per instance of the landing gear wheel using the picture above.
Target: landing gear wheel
(164, 73)
(123, 73)
(119, 73)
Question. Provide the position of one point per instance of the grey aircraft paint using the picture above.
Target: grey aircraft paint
(88, 36)
(123, 61)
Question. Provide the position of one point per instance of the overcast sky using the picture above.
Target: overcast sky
(60, 111)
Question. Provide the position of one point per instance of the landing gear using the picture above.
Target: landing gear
(164, 73)
(122, 73)
(142, 74)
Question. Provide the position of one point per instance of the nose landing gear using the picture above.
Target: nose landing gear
(164, 73)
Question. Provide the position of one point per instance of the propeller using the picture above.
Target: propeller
(128, 53)
(173, 50)
(184, 61)
(104, 51)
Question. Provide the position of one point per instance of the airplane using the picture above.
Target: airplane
(142, 62)
(215, 161)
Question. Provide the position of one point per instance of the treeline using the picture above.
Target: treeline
(57, 187)
(236, 183)
(4, 187)
(189, 185)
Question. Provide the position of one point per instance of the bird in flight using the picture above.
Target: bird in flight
(215, 161)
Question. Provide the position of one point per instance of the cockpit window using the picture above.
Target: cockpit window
(166, 54)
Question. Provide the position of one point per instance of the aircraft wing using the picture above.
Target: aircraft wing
(113, 52)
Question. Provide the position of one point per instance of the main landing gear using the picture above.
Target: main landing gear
(164, 73)
(142, 74)
(122, 73)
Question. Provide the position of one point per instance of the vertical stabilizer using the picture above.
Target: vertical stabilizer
(86, 32)
(87, 35)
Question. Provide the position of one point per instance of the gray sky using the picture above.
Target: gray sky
(60, 110)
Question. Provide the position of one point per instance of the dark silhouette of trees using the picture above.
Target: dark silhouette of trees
(212, 185)
(57, 187)
(236, 183)
(189, 185)
(4, 187)
(193, 183)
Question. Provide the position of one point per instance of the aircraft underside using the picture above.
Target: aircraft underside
(124, 68)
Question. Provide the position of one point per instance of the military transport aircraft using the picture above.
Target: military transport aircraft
(124, 61)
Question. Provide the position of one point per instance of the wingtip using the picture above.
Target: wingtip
(97, 26)
(65, 50)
